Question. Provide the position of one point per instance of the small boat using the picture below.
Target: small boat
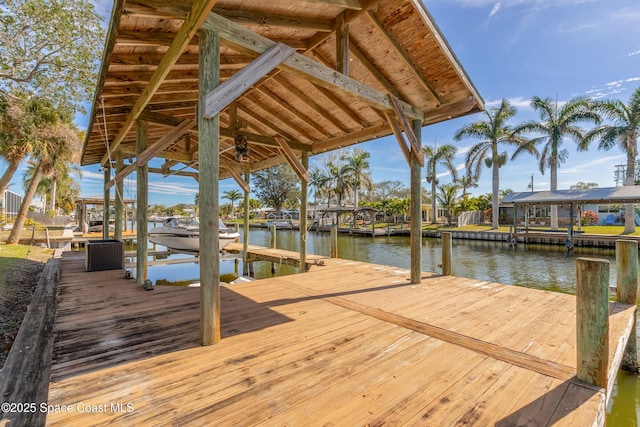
(183, 234)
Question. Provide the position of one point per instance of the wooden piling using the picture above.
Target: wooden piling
(447, 238)
(245, 240)
(142, 192)
(334, 242)
(272, 228)
(627, 292)
(592, 315)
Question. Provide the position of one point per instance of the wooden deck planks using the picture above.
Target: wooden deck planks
(349, 342)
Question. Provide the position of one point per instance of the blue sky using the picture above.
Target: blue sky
(513, 49)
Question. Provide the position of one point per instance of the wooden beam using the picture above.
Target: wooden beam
(416, 150)
(373, 70)
(342, 45)
(293, 161)
(265, 140)
(106, 202)
(395, 127)
(119, 213)
(405, 56)
(175, 10)
(347, 4)
(209, 167)
(142, 192)
(171, 172)
(446, 111)
(151, 152)
(415, 239)
(181, 40)
(161, 119)
(235, 175)
(223, 95)
(244, 40)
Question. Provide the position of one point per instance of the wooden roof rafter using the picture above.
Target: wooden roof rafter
(375, 19)
(188, 29)
(313, 106)
(244, 40)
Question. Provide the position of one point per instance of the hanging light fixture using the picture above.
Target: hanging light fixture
(242, 148)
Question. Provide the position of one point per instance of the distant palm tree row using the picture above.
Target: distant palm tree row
(557, 123)
(614, 124)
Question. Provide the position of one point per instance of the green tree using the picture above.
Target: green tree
(623, 132)
(317, 182)
(58, 144)
(21, 126)
(583, 185)
(232, 195)
(493, 132)
(442, 155)
(448, 197)
(50, 48)
(556, 123)
(339, 179)
(61, 188)
(466, 181)
(358, 172)
(276, 186)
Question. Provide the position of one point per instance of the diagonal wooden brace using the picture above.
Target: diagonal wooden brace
(395, 127)
(416, 150)
(222, 96)
(235, 175)
(291, 158)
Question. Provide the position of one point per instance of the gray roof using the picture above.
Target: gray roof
(628, 194)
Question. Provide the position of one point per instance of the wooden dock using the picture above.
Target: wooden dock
(348, 343)
(274, 255)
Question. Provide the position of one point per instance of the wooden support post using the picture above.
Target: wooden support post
(245, 240)
(627, 292)
(119, 197)
(416, 205)
(334, 242)
(106, 202)
(592, 315)
(209, 166)
(272, 229)
(447, 269)
(142, 191)
(303, 216)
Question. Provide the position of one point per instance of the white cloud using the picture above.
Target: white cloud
(519, 102)
(495, 9)
(171, 188)
(637, 52)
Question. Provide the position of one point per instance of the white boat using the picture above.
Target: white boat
(183, 234)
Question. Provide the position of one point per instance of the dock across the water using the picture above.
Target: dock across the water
(347, 343)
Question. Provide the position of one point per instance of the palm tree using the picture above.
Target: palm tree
(493, 132)
(442, 155)
(357, 169)
(467, 181)
(339, 179)
(62, 188)
(20, 123)
(232, 195)
(448, 197)
(556, 123)
(623, 132)
(56, 144)
(317, 182)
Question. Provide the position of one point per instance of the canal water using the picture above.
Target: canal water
(533, 266)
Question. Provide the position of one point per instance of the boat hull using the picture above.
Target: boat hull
(188, 243)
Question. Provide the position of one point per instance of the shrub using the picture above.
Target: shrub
(589, 217)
